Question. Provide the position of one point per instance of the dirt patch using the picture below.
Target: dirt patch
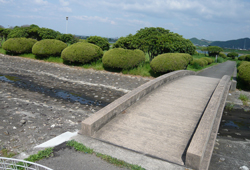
(40, 100)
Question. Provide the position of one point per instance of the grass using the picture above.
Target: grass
(244, 99)
(7, 153)
(81, 148)
(229, 106)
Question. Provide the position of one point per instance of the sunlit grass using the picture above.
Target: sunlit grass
(2, 51)
(191, 67)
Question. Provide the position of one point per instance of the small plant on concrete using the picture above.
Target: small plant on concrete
(244, 99)
(229, 106)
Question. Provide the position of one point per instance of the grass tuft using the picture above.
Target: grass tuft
(244, 99)
(80, 147)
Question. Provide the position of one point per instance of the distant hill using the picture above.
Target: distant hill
(201, 42)
(243, 43)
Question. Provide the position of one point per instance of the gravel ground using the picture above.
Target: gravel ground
(40, 100)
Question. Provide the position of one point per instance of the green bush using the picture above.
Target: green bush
(188, 57)
(209, 60)
(247, 58)
(19, 45)
(232, 55)
(242, 58)
(125, 43)
(81, 52)
(83, 40)
(48, 47)
(244, 73)
(222, 55)
(201, 62)
(168, 62)
(103, 43)
(67, 38)
(123, 58)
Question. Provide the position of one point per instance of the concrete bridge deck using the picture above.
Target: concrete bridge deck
(174, 118)
(162, 123)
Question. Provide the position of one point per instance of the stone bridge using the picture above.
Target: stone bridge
(174, 117)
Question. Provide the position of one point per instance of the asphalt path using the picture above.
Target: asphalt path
(218, 71)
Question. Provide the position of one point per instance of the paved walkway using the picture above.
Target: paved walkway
(162, 123)
(218, 71)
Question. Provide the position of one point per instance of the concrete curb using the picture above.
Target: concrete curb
(199, 142)
(103, 116)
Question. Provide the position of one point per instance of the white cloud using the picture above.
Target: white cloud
(65, 9)
(95, 18)
(40, 2)
(64, 3)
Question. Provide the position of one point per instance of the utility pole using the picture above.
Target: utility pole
(67, 25)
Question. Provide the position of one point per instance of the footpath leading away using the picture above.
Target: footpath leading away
(79, 162)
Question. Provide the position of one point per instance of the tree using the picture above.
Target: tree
(46, 33)
(214, 50)
(103, 43)
(67, 38)
(232, 55)
(125, 42)
(155, 41)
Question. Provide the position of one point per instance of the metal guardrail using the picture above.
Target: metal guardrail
(17, 164)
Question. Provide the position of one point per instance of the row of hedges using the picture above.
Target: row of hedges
(83, 52)
(244, 58)
(244, 75)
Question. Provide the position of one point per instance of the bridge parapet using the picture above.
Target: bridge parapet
(103, 116)
(208, 125)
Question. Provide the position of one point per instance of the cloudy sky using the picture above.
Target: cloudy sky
(208, 19)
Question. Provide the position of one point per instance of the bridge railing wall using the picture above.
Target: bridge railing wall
(206, 131)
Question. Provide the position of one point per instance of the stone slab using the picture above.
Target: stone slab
(57, 140)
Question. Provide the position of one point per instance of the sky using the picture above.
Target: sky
(215, 20)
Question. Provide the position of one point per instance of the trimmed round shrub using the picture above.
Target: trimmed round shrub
(209, 60)
(19, 45)
(242, 58)
(247, 58)
(123, 58)
(222, 55)
(244, 73)
(232, 55)
(168, 62)
(188, 57)
(201, 62)
(81, 52)
(48, 47)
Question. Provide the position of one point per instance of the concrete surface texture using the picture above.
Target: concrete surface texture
(95, 122)
(218, 71)
(162, 123)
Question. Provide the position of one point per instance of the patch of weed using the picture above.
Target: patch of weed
(244, 99)
(229, 106)
(80, 147)
(7, 153)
